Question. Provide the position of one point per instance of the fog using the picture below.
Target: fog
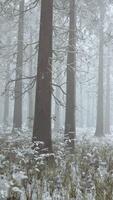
(56, 99)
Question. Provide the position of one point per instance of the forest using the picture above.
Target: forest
(56, 100)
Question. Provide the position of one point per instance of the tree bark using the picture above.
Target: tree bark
(17, 119)
(42, 117)
(70, 129)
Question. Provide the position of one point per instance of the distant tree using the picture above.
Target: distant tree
(30, 92)
(17, 118)
(70, 129)
(6, 99)
(107, 105)
(42, 116)
(81, 106)
(57, 103)
(88, 110)
(99, 120)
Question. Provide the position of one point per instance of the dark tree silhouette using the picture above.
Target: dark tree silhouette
(42, 117)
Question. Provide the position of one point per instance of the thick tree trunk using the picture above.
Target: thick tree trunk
(6, 101)
(99, 121)
(70, 129)
(42, 117)
(107, 106)
(17, 119)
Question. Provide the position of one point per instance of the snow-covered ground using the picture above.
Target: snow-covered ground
(85, 174)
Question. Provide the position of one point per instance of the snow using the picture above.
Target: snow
(24, 172)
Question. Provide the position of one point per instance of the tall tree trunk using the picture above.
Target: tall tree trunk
(99, 121)
(6, 101)
(42, 117)
(107, 106)
(30, 92)
(70, 129)
(17, 119)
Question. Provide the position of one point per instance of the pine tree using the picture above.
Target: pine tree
(42, 116)
(99, 121)
(17, 118)
(70, 129)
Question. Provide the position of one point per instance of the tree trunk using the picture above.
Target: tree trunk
(57, 104)
(17, 119)
(88, 110)
(6, 101)
(107, 106)
(42, 117)
(81, 107)
(30, 92)
(99, 121)
(70, 87)
(93, 110)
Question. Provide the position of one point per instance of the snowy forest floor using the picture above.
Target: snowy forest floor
(87, 174)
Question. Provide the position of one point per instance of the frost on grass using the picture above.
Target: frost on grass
(85, 174)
